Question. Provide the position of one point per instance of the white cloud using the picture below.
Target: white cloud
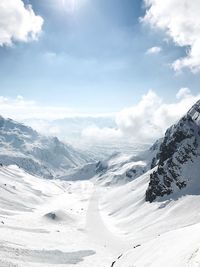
(150, 118)
(146, 121)
(95, 134)
(183, 93)
(181, 22)
(154, 50)
(44, 127)
(18, 22)
(137, 122)
(23, 109)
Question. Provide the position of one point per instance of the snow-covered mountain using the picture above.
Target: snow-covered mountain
(35, 153)
(175, 160)
(121, 168)
(159, 212)
(118, 168)
(106, 216)
(178, 160)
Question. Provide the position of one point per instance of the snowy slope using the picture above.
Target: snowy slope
(122, 168)
(160, 233)
(178, 248)
(164, 232)
(80, 224)
(37, 154)
(48, 223)
(109, 220)
(119, 168)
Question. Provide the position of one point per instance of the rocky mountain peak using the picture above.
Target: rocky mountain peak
(179, 149)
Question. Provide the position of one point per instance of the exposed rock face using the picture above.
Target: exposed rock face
(178, 150)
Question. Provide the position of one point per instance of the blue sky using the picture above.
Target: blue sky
(93, 59)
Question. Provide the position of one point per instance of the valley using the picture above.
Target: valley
(126, 210)
(52, 223)
(99, 133)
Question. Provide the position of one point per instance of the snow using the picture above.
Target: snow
(51, 222)
(121, 168)
(37, 154)
(161, 232)
(178, 248)
(45, 223)
(96, 214)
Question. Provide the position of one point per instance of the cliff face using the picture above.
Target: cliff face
(177, 158)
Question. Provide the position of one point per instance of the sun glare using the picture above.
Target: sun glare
(70, 5)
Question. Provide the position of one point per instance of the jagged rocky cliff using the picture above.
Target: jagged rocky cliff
(177, 164)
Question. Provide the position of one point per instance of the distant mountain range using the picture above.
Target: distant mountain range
(174, 159)
(37, 154)
(150, 198)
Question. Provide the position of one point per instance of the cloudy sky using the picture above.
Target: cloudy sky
(137, 61)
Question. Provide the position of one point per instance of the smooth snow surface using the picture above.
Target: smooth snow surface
(46, 223)
(52, 223)
(163, 233)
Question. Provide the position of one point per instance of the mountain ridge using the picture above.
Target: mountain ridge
(37, 154)
(178, 153)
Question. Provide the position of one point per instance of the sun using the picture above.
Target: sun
(69, 5)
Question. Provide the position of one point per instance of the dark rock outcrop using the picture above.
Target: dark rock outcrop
(179, 147)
